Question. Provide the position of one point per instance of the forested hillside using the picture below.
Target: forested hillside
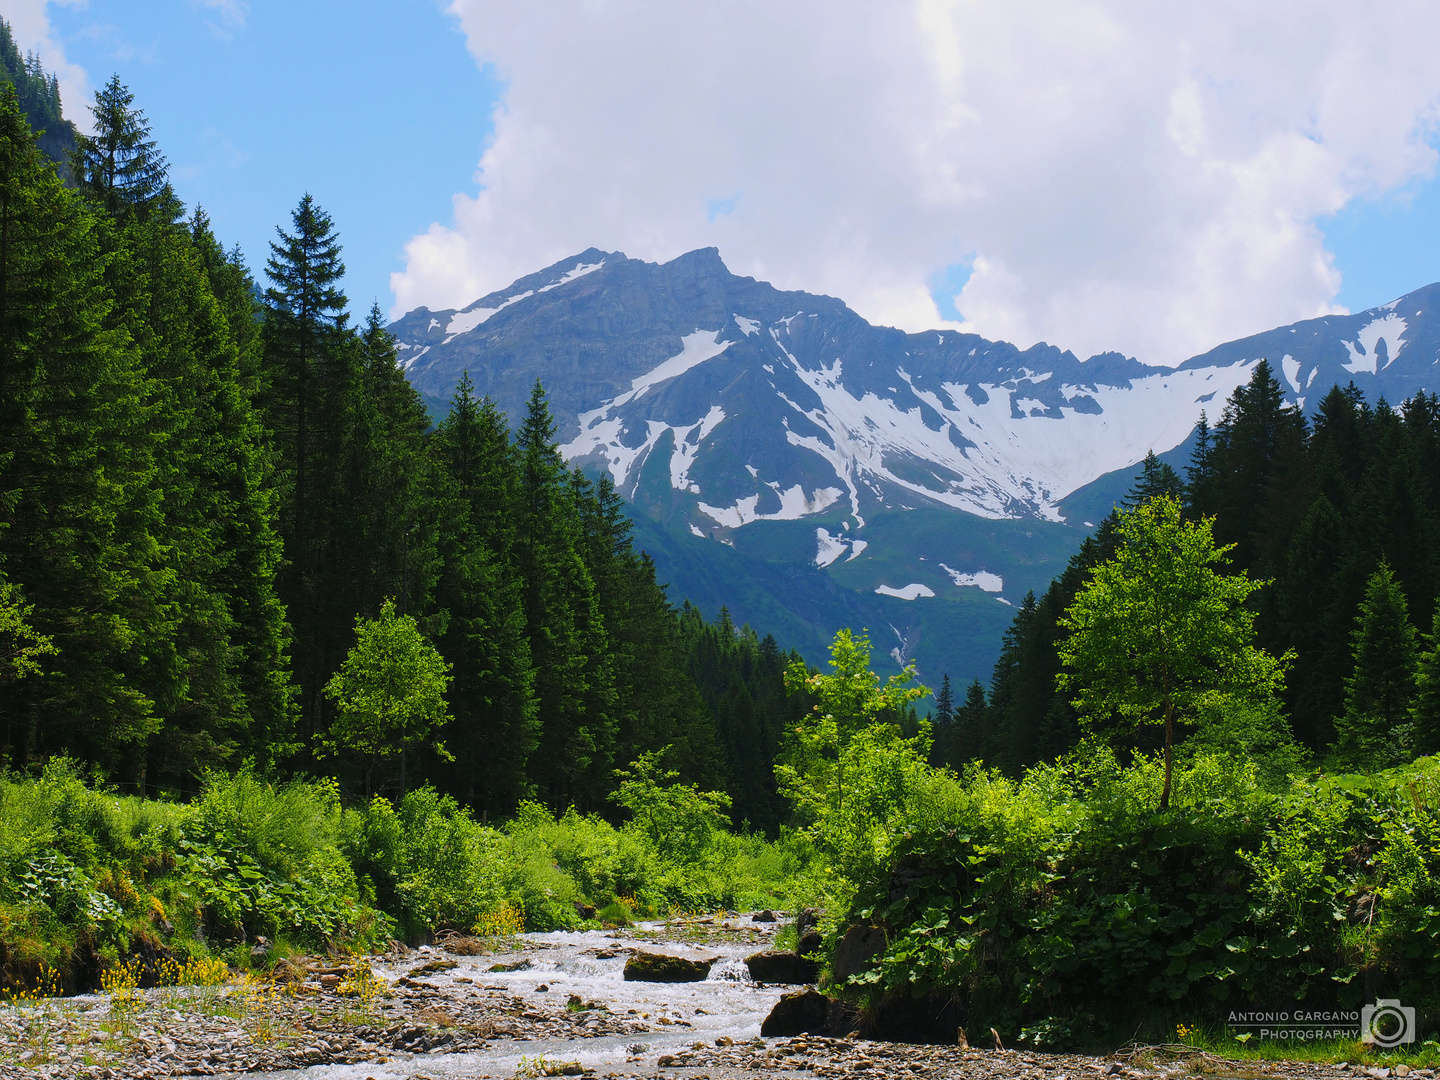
(39, 95)
(1339, 515)
(213, 493)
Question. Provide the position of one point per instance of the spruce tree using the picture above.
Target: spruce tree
(564, 625)
(943, 722)
(1156, 478)
(970, 727)
(496, 726)
(1426, 712)
(77, 482)
(306, 386)
(1374, 732)
(120, 167)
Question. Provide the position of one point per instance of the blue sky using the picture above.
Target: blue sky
(375, 108)
(1154, 180)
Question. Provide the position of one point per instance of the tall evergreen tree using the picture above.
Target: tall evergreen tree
(970, 725)
(573, 678)
(943, 724)
(306, 384)
(76, 471)
(496, 726)
(1374, 731)
(120, 167)
(1156, 478)
(1426, 712)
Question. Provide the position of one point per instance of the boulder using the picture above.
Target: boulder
(763, 916)
(778, 966)
(800, 1013)
(807, 932)
(644, 966)
(857, 951)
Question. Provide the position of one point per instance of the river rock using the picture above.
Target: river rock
(857, 951)
(777, 966)
(807, 931)
(644, 966)
(801, 1013)
(763, 916)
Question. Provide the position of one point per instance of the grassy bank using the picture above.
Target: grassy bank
(91, 880)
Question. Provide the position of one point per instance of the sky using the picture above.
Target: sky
(1100, 174)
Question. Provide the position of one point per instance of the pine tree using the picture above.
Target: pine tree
(76, 471)
(1374, 731)
(970, 727)
(120, 167)
(563, 622)
(1156, 478)
(496, 726)
(306, 386)
(1258, 435)
(1426, 712)
(943, 723)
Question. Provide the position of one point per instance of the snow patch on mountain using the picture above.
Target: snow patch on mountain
(687, 445)
(570, 275)
(1364, 357)
(695, 349)
(1291, 367)
(831, 547)
(602, 428)
(981, 579)
(462, 322)
(913, 591)
(1005, 453)
(794, 504)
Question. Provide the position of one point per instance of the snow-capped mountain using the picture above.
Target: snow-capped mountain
(784, 425)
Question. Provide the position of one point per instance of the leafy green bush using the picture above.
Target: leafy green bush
(428, 863)
(1065, 894)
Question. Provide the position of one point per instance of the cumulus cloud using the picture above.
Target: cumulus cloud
(1118, 174)
(30, 22)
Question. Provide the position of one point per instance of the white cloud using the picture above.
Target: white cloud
(232, 14)
(1128, 175)
(30, 22)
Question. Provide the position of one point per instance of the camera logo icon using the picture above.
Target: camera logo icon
(1387, 1023)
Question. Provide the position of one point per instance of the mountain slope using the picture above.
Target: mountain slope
(914, 483)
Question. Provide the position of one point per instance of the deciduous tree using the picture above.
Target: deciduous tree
(1157, 634)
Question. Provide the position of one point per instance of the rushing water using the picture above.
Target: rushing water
(727, 1003)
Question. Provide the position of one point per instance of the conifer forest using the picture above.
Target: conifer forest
(285, 654)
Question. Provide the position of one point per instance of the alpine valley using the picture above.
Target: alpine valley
(810, 471)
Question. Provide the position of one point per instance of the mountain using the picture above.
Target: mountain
(917, 484)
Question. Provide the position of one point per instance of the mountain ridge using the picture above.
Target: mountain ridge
(783, 425)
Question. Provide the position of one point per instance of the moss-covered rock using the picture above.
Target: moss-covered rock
(645, 966)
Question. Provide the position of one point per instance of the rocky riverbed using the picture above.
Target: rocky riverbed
(546, 1004)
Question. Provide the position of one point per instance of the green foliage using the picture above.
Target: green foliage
(79, 863)
(426, 863)
(1062, 896)
(20, 645)
(390, 692)
(1157, 636)
(847, 768)
(677, 820)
